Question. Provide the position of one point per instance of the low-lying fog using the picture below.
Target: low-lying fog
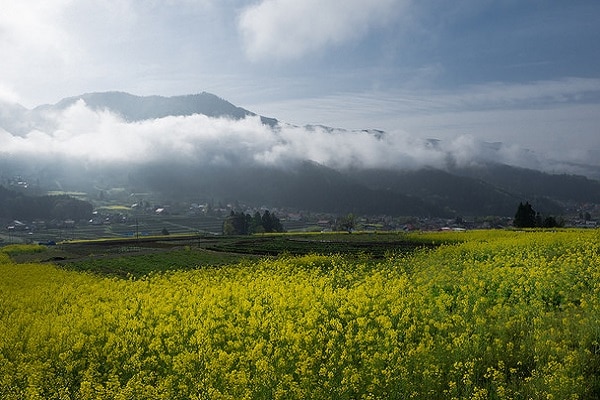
(79, 134)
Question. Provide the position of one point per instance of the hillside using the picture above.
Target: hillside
(306, 186)
(468, 194)
(15, 205)
(528, 182)
(230, 158)
(422, 192)
(139, 108)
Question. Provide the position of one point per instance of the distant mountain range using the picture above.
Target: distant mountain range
(485, 188)
(138, 108)
(18, 120)
(424, 192)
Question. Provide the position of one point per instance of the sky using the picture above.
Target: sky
(522, 72)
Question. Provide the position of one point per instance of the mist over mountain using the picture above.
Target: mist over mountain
(201, 146)
(138, 108)
(15, 118)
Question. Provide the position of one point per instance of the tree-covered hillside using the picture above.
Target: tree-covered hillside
(15, 205)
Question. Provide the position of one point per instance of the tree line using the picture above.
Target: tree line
(238, 223)
(15, 205)
(527, 217)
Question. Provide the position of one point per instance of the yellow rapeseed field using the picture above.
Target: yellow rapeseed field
(490, 314)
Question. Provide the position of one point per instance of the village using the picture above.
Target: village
(146, 219)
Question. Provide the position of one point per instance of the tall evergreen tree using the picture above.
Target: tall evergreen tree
(245, 224)
(256, 226)
(276, 224)
(267, 222)
(525, 217)
(235, 224)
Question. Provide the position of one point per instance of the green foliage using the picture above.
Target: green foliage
(526, 217)
(238, 223)
(16, 249)
(498, 315)
(376, 245)
(346, 223)
(136, 265)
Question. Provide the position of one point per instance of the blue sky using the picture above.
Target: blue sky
(524, 72)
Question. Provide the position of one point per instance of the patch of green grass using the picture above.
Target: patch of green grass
(63, 193)
(134, 258)
(376, 245)
(17, 249)
(130, 264)
(115, 208)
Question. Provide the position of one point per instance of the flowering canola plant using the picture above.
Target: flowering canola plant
(490, 314)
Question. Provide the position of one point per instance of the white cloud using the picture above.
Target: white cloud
(51, 45)
(58, 48)
(289, 29)
(7, 94)
(555, 118)
(516, 95)
(31, 21)
(30, 34)
(82, 135)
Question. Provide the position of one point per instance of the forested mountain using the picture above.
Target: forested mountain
(455, 194)
(471, 195)
(15, 205)
(423, 192)
(306, 186)
(229, 157)
(528, 182)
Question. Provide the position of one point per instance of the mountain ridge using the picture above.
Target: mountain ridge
(135, 108)
(483, 188)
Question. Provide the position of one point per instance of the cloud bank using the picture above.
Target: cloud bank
(558, 119)
(290, 29)
(100, 138)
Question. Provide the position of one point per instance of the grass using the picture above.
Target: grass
(115, 208)
(123, 259)
(132, 257)
(136, 262)
(374, 245)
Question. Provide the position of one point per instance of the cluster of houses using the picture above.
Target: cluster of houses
(292, 220)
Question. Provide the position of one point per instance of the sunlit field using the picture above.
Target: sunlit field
(487, 314)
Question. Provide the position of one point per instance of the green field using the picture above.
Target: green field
(133, 257)
(487, 314)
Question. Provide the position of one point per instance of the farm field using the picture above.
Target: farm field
(135, 257)
(141, 226)
(482, 314)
